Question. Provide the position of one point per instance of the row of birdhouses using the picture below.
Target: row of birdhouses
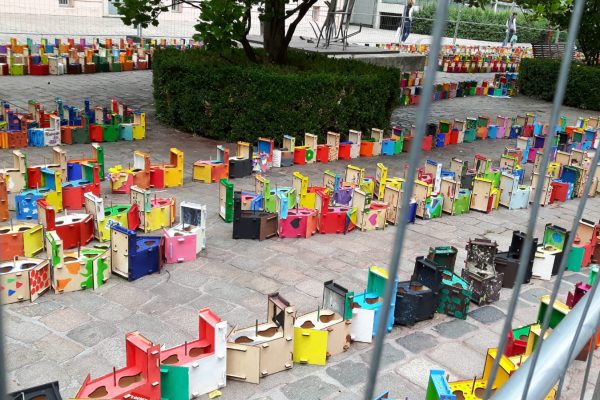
(264, 155)
(520, 345)
(143, 174)
(73, 262)
(341, 203)
(62, 183)
(251, 353)
(66, 124)
(60, 56)
(478, 64)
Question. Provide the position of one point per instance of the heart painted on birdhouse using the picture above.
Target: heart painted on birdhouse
(11, 292)
(10, 280)
(19, 284)
(295, 223)
(373, 219)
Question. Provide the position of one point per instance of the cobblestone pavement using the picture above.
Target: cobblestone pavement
(67, 336)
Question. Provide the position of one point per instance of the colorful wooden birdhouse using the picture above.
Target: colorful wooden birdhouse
(438, 387)
(195, 368)
(414, 302)
(392, 196)
(454, 296)
(479, 271)
(174, 169)
(212, 170)
(310, 143)
(377, 138)
(326, 331)
(456, 200)
(126, 215)
(241, 165)
(484, 197)
(336, 219)
(73, 191)
(370, 215)
(263, 349)
(122, 179)
(49, 391)
(185, 240)
(549, 254)
(16, 177)
(75, 169)
(133, 257)
(139, 379)
(75, 230)
(84, 268)
(300, 222)
(25, 239)
(4, 213)
(354, 137)
(545, 185)
(286, 152)
(278, 200)
(372, 298)
(306, 199)
(266, 146)
(513, 195)
(252, 224)
(226, 200)
(23, 278)
(333, 141)
(155, 212)
(421, 192)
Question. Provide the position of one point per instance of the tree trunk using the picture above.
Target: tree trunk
(274, 32)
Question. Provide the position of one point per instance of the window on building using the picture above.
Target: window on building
(110, 8)
(65, 3)
(316, 13)
(174, 6)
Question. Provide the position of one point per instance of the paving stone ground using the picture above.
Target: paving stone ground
(67, 336)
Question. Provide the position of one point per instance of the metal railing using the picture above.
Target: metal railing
(548, 364)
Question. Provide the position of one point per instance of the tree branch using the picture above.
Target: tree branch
(247, 20)
(302, 10)
(195, 4)
(289, 13)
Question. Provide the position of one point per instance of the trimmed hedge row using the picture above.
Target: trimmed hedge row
(537, 78)
(228, 98)
(480, 32)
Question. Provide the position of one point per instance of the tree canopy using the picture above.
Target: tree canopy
(558, 12)
(222, 23)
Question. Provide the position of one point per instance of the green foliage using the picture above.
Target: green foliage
(486, 25)
(221, 23)
(140, 12)
(537, 78)
(226, 97)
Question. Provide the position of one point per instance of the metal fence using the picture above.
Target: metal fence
(371, 28)
(552, 356)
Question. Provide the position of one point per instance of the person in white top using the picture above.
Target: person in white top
(511, 29)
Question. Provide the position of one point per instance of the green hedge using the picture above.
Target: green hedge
(226, 97)
(480, 32)
(537, 78)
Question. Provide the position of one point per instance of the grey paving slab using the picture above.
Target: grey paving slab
(487, 314)
(455, 328)
(417, 342)
(233, 277)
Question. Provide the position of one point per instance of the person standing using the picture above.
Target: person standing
(407, 17)
(511, 28)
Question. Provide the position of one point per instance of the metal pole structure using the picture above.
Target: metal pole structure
(2, 357)
(549, 369)
(457, 22)
(561, 86)
(414, 157)
(558, 99)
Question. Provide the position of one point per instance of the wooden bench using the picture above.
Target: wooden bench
(555, 50)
